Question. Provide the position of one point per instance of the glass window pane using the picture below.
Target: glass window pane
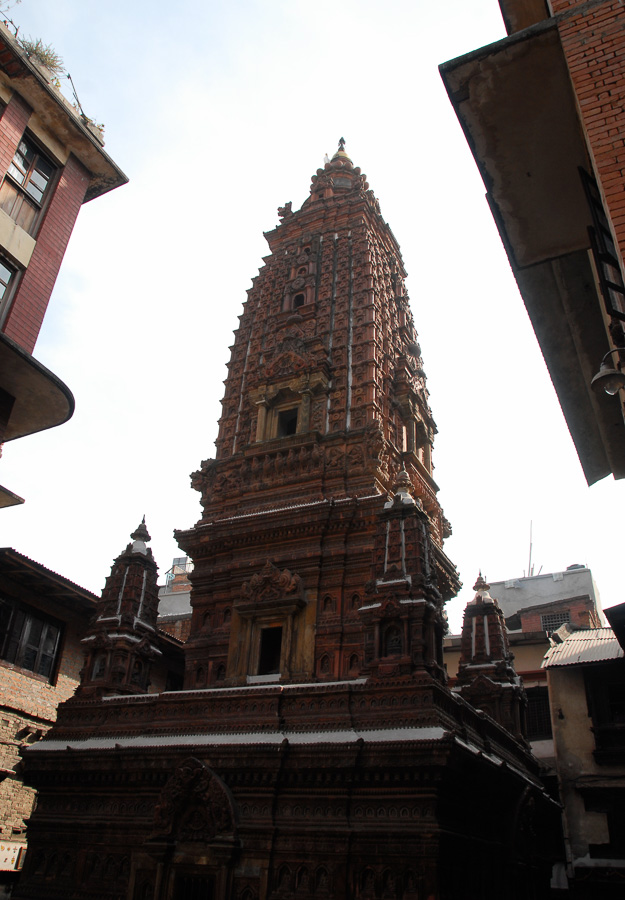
(5, 273)
(48, 644)
(27, 151)
(34, 632)
(29, 659)
(34, 191)
(16, 173)
(38, 180)
(43, 168)
(45, 666)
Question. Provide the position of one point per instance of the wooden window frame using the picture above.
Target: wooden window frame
(19, 182)
(605, 250)
(16, 640)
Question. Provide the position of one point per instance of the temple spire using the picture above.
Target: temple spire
(120, 643)
(486, 674)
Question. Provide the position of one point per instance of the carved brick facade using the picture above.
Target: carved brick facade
(316, 749)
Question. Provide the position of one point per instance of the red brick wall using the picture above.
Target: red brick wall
(178, 628)
(28, 701)
(593, 38)
(31, 299)
(13, 123)
(581, 613)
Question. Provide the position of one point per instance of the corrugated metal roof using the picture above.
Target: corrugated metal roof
(593, 645)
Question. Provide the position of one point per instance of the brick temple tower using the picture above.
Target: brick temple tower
(325, 405)
(316, 749)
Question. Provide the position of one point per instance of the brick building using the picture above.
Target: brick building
(51, 162)
(43, 617)
(316, 748)
(543, 112)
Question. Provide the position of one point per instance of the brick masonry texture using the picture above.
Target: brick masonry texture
(593, 39)
(12, 124)
(298, 534)
(31, 300)
(29, 704)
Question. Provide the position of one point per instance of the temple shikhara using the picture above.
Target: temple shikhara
(316, 749)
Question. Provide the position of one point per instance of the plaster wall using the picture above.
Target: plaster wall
(574, 746)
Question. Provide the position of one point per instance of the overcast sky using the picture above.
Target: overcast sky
(219, 111)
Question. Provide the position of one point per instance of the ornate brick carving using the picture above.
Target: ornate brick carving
(194, 805)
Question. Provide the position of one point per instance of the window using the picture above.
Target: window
(298, 300)
(6, 274)
(605, 690)
(604, 250)
(26, 184)
(28, 640)
(270, 650)
(538, 717)
(287, 422)
(552, 621)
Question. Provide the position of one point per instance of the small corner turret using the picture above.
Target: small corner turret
(487, 678)
(120, 644)
(404, 619)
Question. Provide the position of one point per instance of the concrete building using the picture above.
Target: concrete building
(51, 161)
(546, 601)
(543, 112)
(533, 608)
(586, 675)
(174, 600)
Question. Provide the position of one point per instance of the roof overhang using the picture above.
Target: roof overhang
(76, 131)
(32, 399)
(516, 106)
(616, 617)
(60, 593)
(40, 399)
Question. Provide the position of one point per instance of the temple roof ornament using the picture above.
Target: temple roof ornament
(140, 537)
(481, 588)
(340, 153)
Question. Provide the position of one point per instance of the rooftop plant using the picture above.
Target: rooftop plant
(44, 54)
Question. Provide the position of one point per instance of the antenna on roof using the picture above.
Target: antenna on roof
(529, 563)
(78, 103)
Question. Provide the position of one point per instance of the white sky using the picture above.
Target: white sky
(220, 111)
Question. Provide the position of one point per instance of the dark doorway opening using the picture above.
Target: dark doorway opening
(270, 650)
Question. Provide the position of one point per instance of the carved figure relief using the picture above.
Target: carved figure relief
(271, 584)
(195, 805)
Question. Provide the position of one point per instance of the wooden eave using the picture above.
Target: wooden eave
(56, 590)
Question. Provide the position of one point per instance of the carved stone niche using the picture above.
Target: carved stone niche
(267, 641)
(194, 840)
(284, 406)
